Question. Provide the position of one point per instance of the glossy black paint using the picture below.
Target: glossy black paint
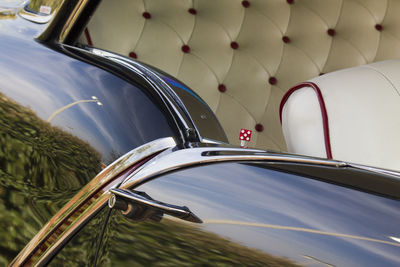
(254, 214)
(266, 214)
(43, 164)
(45, 80)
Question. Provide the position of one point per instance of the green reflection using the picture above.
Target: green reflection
(172, 243)
(36, 4)
(81, 250)
(41, 168)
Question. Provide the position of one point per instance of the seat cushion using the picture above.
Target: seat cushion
(351, 115)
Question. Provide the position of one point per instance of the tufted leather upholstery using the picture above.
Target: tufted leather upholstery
(362, 106)
(242, 56)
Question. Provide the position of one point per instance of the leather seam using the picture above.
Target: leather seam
(88, 38)
(384, 76)
(322, 106)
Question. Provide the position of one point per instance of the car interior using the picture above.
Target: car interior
(301, 74)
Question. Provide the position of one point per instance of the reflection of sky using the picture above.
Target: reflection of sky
(45, 81)
(251, 194)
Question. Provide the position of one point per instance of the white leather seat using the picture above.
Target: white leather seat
(361, 123)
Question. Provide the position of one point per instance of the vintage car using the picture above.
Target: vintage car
(108, 159)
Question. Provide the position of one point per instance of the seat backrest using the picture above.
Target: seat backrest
(242, 56)
(351, 115)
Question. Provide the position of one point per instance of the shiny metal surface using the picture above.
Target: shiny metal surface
(210, 141)
(60, 227)
(137, 69)
(73, 16)
(35, 17)
(257, 216)
(166, 162)
(43, 165)
(373, 180)
(128, 118)
(375, 169)
(176, 211)
(139, 199)
(190, 109)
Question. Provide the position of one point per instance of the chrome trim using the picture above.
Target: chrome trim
(88, 193)
(167, 161)
(211, 141)
(35, 17)
(125, 194)
(158, 84)
(375, 169)
(182, 213)
(76, 12)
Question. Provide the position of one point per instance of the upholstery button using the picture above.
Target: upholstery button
(222, 88)
(185, 48)
(234, 45)
(192, 11)
(290, 2)
(331, 32)
(272, 80)
(146, 15)
(246, 4)
(132, 55)
(378, 27)
(259, 127)
(286, 39)
(321, 74)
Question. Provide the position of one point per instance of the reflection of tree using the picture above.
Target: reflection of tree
(35, 4)
(8, 16)
(41, 168)
(172, 243)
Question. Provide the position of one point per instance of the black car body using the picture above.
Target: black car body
(107, 161)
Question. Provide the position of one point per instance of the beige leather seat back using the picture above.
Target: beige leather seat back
(351, 115)
(242, 56)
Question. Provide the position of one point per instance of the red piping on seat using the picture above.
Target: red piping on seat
(322, 106)
(87, 34)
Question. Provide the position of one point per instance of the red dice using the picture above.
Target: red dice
(245, 135)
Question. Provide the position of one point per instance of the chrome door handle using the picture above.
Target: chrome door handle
(138, 206)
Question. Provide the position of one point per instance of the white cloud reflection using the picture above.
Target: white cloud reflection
(250, 194)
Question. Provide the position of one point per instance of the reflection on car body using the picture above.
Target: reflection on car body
(157, 148)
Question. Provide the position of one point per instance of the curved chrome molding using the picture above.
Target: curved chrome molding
(196, 156)
(88, 201)
(160, 86)
(72, 19)
(34, 17)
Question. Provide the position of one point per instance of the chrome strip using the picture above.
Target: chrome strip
(374, 169)
(102, 179)
(178, 107)
(142, 200)
(76, 12)
(34, 17)
(164, 162)
(211, 141)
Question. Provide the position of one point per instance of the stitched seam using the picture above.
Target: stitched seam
(330, 47)
(380, 35)
(385, 77)
(318, 15)
(356, 48)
